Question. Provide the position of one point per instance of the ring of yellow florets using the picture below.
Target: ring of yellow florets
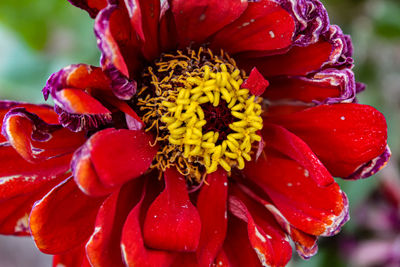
(178, 103)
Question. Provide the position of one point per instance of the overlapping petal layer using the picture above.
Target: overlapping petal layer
(34, 159)
(172, 222)
(343, 136)
(316, 209)
(266, 236)
(134, 250)
(212, 207)
(110, 158)
(66, 214)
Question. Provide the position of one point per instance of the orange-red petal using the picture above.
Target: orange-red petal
(172, 222)
(212, 207)
(63, 219)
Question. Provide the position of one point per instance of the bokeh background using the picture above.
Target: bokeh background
(38, 38)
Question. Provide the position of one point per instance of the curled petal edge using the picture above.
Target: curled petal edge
(111, 58)
(311, 20)
(371, 167)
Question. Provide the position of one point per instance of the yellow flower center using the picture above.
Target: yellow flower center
(202, 116)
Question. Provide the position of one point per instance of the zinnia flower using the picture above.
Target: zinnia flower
(209, 136)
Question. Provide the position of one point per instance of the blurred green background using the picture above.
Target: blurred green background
(38, 38)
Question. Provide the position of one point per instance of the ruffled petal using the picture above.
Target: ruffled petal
(306, 245)
(120, 47)
(311, 19)
(45, 112)
(266, 237)
(91, 6)
(212, 207)
(197, 20)
(103, 247)
(333, 49)
(78, 109)
(371, 167)
(326, 87)
(172, 222)
(263, 26)
(73, 258)
(63, 219)
(34, 139)
(343, 136)
(312, 208)
(77, 76)
(110, 158)
(134, 251)
(80, 93)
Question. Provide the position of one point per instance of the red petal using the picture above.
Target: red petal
(308, 206)
(329, 86)
(74, 258)
(78, 102)
(14, 165)
(117, 156)
(103, 248)
(144, 16)
(306, 245)
(255, 83)
(86, 176)
(91, 6)
(265, 235)
(211, 205)
(343, 136)
(187, 259)
(167, 32)
(222, 260)
(264, 26)
(63, 219)
(86, 77)
(17, 195)
(81, 77)
(35, 140)
(292, 146)
(134, 251)
(22, 183)
(297, 61)
(45, 112)
(172, 222)
(237, 245)
(300, 89)
(197, 20)
(117, 40)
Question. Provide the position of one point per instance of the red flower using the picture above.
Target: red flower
(170, 155)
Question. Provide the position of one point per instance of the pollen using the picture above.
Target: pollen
(200, 113)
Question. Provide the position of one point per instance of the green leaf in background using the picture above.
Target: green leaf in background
(37, 38)
(387, 19)
(35, 20)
